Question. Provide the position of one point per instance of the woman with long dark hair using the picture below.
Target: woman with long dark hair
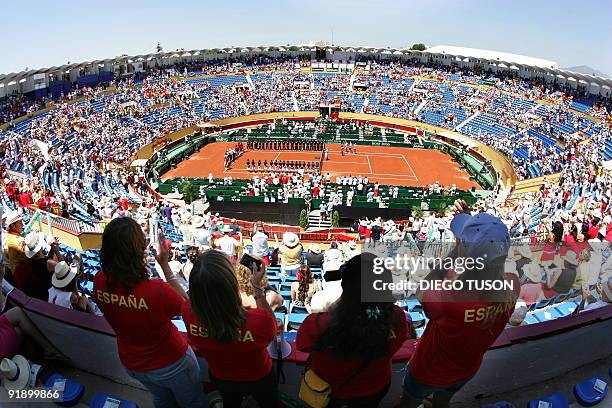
(233, 339)
(140, 311)
(352, 344)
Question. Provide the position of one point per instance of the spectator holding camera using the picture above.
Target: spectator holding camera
(232, 338)
(463, 323)
(140, 311)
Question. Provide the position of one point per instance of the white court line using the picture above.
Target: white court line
(410, 167)
(389, 175)
(336, 161)
(369, 164)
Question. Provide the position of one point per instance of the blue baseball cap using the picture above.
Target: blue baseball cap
(483, 235)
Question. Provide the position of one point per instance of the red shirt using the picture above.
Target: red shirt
(246, 360)
(593, 231)
(457, 336)
(372, 379)
(146, 337)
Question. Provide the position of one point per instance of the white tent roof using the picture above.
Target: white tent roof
(492, 55)
(139, 163)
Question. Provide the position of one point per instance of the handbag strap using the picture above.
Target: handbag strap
(361, 369)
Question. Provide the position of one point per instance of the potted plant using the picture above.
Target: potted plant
(303, 219)
(335, 222)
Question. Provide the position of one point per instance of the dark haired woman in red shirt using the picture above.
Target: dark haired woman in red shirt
(233, 339)
(140, 311)
(352, 344)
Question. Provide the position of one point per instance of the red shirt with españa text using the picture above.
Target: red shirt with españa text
(245, 360)
(142, 319)
(459, 332)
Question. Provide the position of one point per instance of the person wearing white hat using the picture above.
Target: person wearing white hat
(261, 248)
(314, 257)
(531, 289)
(15, 253)
(290, 252)
(334, 258)
(65, 291)
(228, 244)
(34, 277)
(201, 235)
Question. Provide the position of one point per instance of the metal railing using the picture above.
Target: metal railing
(75, 227)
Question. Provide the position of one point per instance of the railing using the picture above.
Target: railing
(72, 226)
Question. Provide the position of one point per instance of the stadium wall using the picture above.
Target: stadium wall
(520, 356)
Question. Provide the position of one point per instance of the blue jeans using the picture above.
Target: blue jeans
(418, 391)
(291, 270)
(177, 385)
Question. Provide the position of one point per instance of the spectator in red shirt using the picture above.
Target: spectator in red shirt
(463, 323)
(140, 311)
(233, 339)
(351, 345)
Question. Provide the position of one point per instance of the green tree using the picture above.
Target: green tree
(418, 47)
(188, 191)
(303, 218)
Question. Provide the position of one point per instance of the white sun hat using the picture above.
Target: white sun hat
(34, 242)
(15, 372)
(315, 249)
(533, 271)
(63, 274)
(12, 217)
(197, 221)
(290, 239)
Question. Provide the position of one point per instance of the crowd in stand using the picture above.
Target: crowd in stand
(77, 164)
(228, 307)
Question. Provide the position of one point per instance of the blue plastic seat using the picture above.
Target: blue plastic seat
(297, 309)
(98, 400)
(548, 314)
(73, 391)
(566, 308)
(417, 318)
(499, 404)
(587, 395)
(558, 400)
(295, 320)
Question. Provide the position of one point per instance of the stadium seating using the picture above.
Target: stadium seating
(101, 400)
(557, 400)
(591, 392)
(70, 390)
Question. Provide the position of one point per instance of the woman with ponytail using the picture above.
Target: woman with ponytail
(352, 344)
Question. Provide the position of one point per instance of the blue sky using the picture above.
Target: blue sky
(40, 33)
